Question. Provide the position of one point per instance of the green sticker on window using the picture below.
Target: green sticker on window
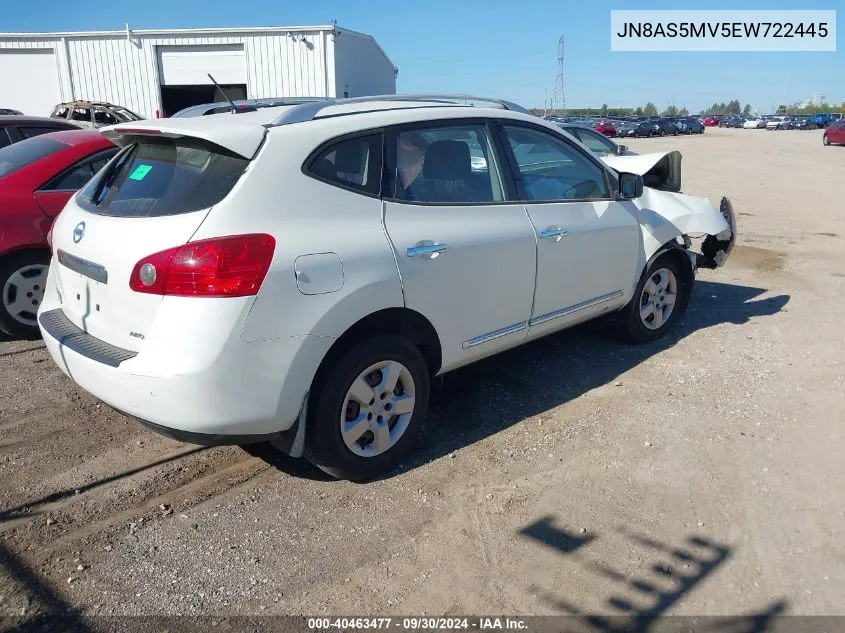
(140, 172)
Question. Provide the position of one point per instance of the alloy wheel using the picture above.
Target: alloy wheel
(657, 301)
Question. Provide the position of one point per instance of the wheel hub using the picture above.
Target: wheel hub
(23, 293)
(377, 408)
(657, 301)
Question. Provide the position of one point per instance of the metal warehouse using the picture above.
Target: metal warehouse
(157, 72)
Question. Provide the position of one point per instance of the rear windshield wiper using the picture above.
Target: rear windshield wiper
(109, 178)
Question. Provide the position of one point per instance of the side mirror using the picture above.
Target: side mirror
(621, 149)
(630, 186)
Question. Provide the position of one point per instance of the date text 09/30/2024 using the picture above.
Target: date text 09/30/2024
(418, 623)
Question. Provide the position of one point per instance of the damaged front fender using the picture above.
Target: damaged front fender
(667, 216)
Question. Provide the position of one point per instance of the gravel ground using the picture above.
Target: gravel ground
(699, 475)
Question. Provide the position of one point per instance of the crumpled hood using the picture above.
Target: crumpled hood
(660, 170)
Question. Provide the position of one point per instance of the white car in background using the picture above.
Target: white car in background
(779, 123)
(754, 124)
(300, 274)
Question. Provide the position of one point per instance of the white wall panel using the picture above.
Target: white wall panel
(361, 68)
(29, 79)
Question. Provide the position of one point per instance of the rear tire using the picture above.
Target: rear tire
(825, 140)
(22, 280)
(659, 301)
(352, 432)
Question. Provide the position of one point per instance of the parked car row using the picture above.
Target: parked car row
(636, 126)
(773, 121)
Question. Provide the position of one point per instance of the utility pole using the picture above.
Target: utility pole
(559, 95)
(786, 91)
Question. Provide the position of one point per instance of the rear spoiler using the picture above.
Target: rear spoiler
(241, 138)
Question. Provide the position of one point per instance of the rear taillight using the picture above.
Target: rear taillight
(232, 266)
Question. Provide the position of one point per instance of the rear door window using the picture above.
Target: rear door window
(81, 114)
(28, 131)
(158, 177)
(452, 164)
(19, 155)
(104, 117)
(79, 174)
(4, 138)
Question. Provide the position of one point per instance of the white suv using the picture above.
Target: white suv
(299, 274)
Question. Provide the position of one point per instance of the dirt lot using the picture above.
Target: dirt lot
(702, 474)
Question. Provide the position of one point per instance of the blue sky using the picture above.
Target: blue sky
(496, 48)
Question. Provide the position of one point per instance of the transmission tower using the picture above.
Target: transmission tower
(559, 98)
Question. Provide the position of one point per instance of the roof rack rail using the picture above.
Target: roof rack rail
(310, 110)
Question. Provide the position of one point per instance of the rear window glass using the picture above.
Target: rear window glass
(29, 131)
(158, 177)
(19, 155)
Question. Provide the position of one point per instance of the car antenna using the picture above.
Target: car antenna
(225, 96)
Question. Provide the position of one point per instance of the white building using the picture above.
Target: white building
(816, 100)
(153, 72)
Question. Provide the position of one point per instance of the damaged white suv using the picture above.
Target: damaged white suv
(299, 274)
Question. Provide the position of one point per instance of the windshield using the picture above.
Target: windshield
(19, 155)
(595, 142)
(128, 114)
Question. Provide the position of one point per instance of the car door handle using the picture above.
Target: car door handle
(426, 249)
(553, 232)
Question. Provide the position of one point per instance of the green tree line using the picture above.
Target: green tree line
(733, 107)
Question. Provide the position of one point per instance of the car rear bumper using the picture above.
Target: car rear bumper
(232, 395)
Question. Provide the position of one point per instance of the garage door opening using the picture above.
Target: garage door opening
(18, 69)
(184, 70)
(175, 98)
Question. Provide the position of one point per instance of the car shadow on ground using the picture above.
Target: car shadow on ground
(489, 396)
(638, 602)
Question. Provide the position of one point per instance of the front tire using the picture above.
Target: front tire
(660, 299)
(825, 140)
(22, 280)
(366, 408)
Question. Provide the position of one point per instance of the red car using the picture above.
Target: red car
(712, 121)
(37, 178)
(834, 134)
(606, 128)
